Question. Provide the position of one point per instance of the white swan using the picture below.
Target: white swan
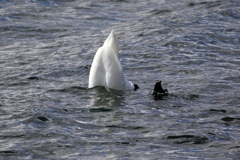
(106, 70)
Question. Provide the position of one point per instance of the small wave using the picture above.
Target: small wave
(189, 139)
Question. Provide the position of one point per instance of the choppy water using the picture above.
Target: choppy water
(47, 111)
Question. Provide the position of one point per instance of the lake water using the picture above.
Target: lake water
(46, 51)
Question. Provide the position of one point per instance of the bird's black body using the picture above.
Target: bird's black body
(158, 88)
(159, 92)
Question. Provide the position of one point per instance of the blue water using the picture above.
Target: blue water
(47, 111)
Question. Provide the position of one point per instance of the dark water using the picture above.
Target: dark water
(47, 111)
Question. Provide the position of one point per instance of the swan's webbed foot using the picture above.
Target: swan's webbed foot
(136, 87)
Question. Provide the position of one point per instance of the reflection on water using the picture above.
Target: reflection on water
(106, 98)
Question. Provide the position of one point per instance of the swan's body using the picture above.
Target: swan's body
(106, 70)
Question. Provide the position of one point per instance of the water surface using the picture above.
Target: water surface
(47, 111)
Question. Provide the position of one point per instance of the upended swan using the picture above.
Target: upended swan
(106, 70)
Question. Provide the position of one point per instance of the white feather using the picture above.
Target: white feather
(106, 70)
